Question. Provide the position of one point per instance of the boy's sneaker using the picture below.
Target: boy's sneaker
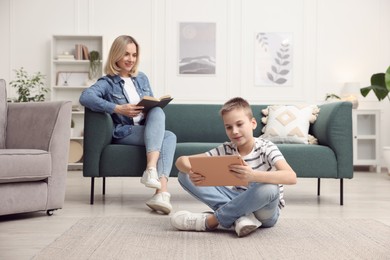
(150, 178)
(160, 202)
(246, 224)
(185, 220)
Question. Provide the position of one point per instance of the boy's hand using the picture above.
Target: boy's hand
(243, 172)
(196, 178)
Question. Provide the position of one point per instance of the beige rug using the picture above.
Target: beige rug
(153, 237)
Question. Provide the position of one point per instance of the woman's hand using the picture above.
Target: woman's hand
(129, 110)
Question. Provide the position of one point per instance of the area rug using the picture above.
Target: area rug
(152, 237)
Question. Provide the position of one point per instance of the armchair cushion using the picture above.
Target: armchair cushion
(24, 165)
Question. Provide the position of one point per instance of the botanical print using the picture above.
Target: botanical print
(273, 59)
(197, 48)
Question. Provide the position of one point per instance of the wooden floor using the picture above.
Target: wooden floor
(366, 196)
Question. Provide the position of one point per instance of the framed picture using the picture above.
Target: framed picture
(71, 78)
(197, 48)
(273, 59)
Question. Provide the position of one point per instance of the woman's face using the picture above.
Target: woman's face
(128, 61)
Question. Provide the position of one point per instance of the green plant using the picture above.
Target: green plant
(380, 84)
(94, 64)
(29, 88)
(72, 123)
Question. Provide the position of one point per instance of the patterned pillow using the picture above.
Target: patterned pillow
(289, 124)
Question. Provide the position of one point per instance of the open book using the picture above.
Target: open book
(149, 102)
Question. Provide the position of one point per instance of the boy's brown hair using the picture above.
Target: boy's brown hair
(237, 103)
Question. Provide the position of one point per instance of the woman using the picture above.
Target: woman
(117, 93)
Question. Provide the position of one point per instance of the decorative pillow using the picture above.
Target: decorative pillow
(289, 124)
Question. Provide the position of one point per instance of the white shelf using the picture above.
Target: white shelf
(366, 138)
(70, 88)
(75, 74)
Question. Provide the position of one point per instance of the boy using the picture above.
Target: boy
(247, 208)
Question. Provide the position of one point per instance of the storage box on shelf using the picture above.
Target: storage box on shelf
(70, 75)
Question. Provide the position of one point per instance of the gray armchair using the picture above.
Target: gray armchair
(34, 149)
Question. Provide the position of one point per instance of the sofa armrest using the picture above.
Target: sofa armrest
(333, 128)
(98, 128)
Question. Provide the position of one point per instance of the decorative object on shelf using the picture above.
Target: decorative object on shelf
(75, 152)
(72, 124)
(380, 85)
(29, 88)
(65, 77)
(350, 92)
(65, 56)
(71, 78)
(94, 65)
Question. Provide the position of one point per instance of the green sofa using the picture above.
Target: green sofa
(199, 128)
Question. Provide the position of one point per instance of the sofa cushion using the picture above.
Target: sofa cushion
(24, 165)
(289, 124)
(311, 161)
(3, 112)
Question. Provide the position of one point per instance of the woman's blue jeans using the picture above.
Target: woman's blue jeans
(154, 137)
(230, 204)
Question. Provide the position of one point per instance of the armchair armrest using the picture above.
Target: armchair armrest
(333, 128)
(44, 126)
(98, 128)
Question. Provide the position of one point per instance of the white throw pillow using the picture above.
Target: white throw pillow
(289, 124)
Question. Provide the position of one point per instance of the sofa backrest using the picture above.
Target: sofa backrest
(3, 112)
(202, 122)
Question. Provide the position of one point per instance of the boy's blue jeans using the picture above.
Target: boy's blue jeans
(154, 137)
(230, 204)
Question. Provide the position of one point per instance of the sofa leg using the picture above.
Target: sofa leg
(104, 185)
(92, 189)
(341, 192)
(318, 186)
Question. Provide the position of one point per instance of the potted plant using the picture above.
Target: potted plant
(29, 88)
(94, 65)
(380, 85)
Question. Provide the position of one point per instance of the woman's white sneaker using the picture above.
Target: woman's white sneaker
(150, 178)
(160, 202)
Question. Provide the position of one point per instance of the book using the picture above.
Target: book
(85, 52)
(149, 102)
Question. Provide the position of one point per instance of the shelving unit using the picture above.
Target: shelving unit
(69, 77)
(366, 138)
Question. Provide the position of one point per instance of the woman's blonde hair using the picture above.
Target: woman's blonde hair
(237, 103)
(117, 52)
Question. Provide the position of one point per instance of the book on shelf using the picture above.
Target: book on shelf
(81, 52)
(149, 102)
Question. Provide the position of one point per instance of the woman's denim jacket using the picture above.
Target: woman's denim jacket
(107, 92)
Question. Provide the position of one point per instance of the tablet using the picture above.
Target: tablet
(216, 170)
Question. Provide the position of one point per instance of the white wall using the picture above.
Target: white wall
(335, 41)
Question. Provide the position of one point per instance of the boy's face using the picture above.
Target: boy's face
(239, 127)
